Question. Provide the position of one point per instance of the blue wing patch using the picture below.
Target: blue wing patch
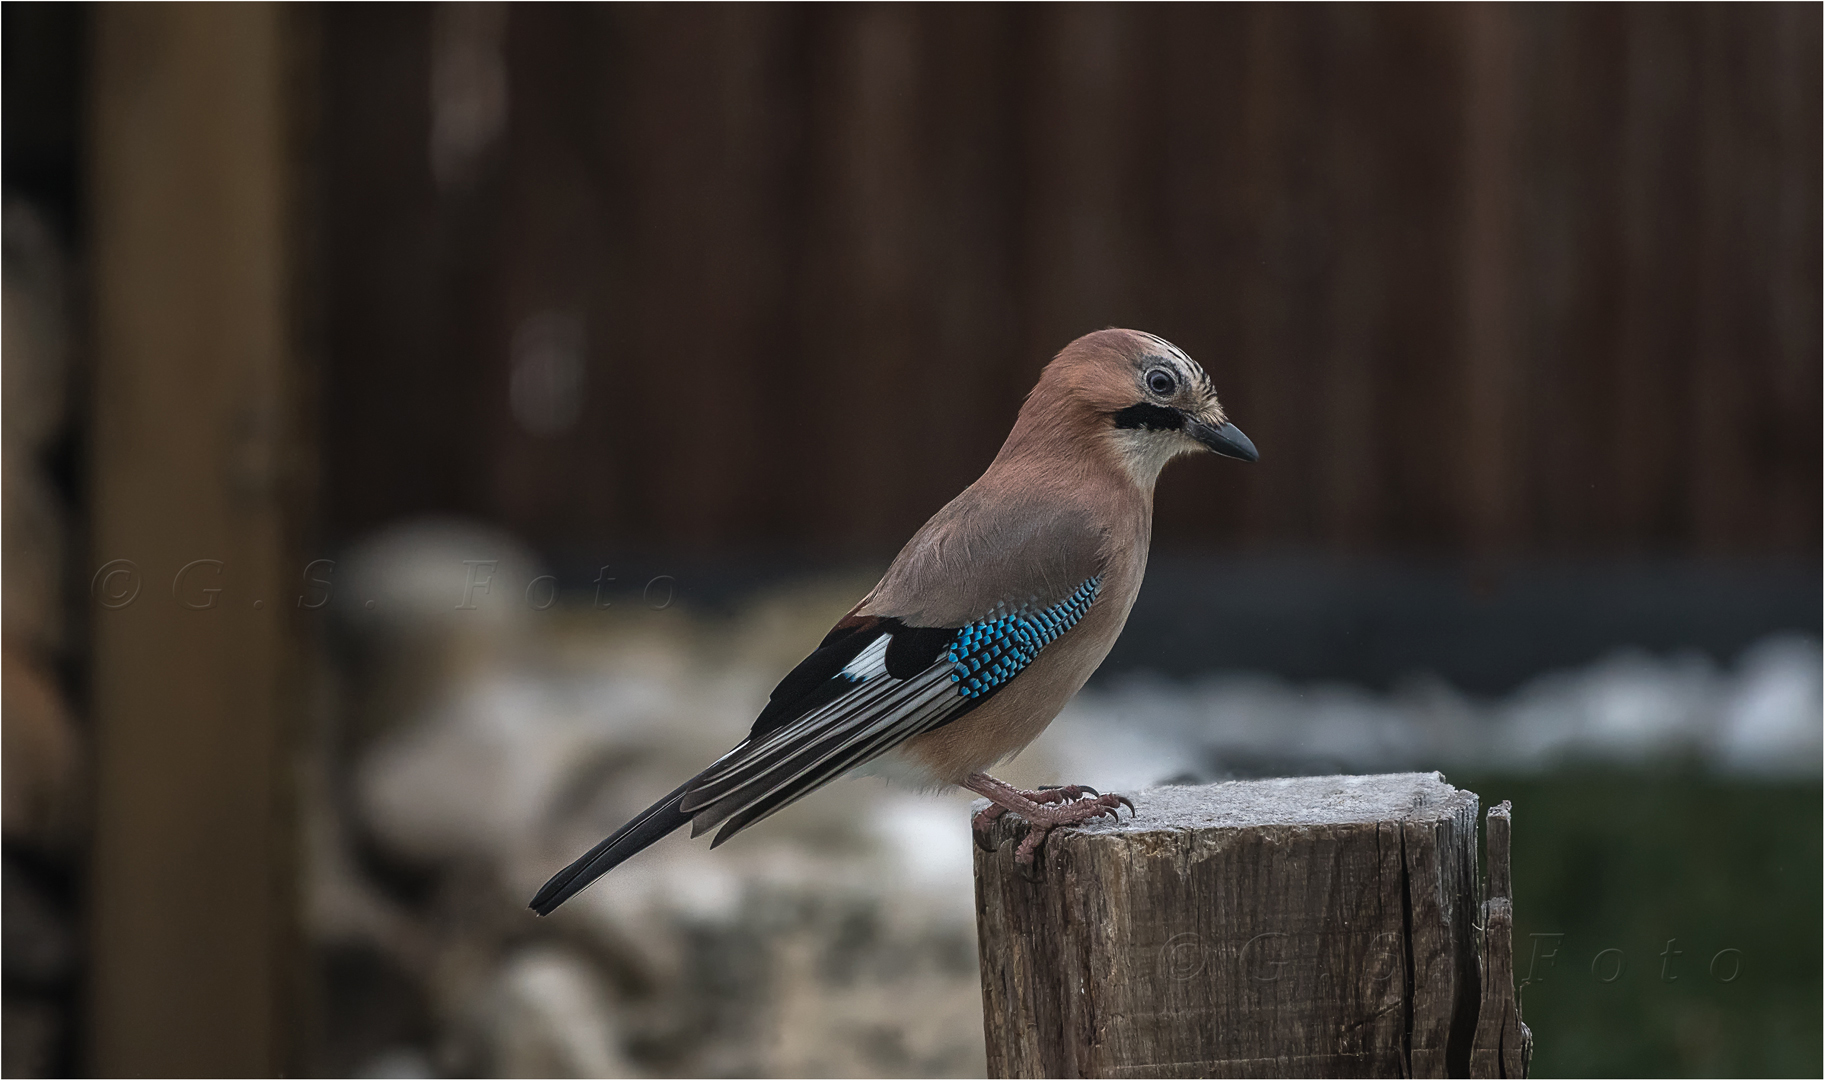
(988, 653)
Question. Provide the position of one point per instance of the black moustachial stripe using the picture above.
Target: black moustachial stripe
(1150, 417)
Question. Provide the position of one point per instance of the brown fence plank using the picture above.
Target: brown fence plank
(1523, 280)
(198, 454)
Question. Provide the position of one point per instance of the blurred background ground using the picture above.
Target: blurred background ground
(429, 432)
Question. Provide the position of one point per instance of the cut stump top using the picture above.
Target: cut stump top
(1294, 800)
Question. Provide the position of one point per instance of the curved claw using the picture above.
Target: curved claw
(979, 825)
(1081, 803)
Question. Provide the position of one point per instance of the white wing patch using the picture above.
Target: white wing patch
(871, 661)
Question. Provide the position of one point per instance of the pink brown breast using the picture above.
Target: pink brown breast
(1006, 723)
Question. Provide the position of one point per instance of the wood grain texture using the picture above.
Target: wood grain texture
(1503, 1045)
(1316, 926)
(1522, 281)
(199, 479)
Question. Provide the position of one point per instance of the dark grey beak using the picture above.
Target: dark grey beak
(1226, 440)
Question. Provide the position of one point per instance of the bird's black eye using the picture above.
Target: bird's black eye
(1161, 382)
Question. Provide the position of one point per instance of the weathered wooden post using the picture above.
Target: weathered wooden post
(1503, 1046)
(1314, 926)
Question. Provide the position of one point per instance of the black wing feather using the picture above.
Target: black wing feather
(915, 648)
(829, 715)
(652, 825)
(835, 760)
(813, 683)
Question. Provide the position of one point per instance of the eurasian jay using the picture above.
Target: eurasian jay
(993, 615)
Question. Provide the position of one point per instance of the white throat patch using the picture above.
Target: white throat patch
(1144, 454)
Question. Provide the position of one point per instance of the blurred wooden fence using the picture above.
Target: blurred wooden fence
(1505, 280)
(1527, 280)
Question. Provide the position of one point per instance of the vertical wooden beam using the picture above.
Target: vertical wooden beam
(697, 113)
(1491, 480)
(1503, 1045)
(197, 456)
(866, 192)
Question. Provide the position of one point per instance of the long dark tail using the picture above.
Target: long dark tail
(650, 826)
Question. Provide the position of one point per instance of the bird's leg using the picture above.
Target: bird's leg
(1037, 808)
(1045, 793)
(1049, 793)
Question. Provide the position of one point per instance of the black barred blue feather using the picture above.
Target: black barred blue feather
(987, 654)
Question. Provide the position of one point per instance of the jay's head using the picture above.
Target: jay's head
(1143, 397)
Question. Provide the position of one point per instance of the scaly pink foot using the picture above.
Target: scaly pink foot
(1050, 793)
(1038, 810)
